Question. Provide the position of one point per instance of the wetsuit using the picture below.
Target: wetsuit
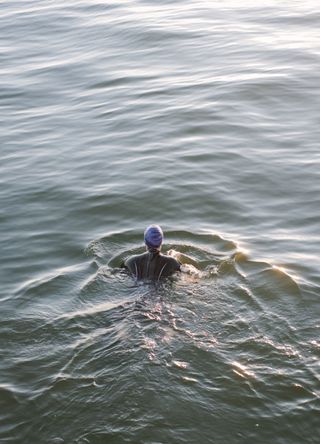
(152, 265)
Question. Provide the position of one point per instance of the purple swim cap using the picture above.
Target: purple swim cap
(153, 236)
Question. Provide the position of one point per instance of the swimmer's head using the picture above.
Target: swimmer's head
(153, 236)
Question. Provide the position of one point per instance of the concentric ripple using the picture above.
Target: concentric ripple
(215, 333)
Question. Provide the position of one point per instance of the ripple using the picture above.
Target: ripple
(117, 115)
(215, 333)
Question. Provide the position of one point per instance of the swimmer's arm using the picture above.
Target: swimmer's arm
(129, 265)
(182, 259)
(186, 263)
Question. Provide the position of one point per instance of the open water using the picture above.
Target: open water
(203, 117)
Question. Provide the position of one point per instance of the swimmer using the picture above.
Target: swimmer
(152, 264)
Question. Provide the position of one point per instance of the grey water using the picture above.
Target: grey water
(203, 117)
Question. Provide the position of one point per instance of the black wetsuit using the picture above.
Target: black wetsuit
(152, 265)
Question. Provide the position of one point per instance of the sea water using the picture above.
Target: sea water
(203, 117)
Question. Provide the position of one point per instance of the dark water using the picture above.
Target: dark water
(200, 116)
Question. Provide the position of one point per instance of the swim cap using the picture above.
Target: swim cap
(153, 236)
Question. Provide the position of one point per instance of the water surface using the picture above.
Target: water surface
(202, 117)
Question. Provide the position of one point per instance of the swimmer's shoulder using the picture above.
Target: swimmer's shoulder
(131, 260)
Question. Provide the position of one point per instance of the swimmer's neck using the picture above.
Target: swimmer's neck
(153, 250)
